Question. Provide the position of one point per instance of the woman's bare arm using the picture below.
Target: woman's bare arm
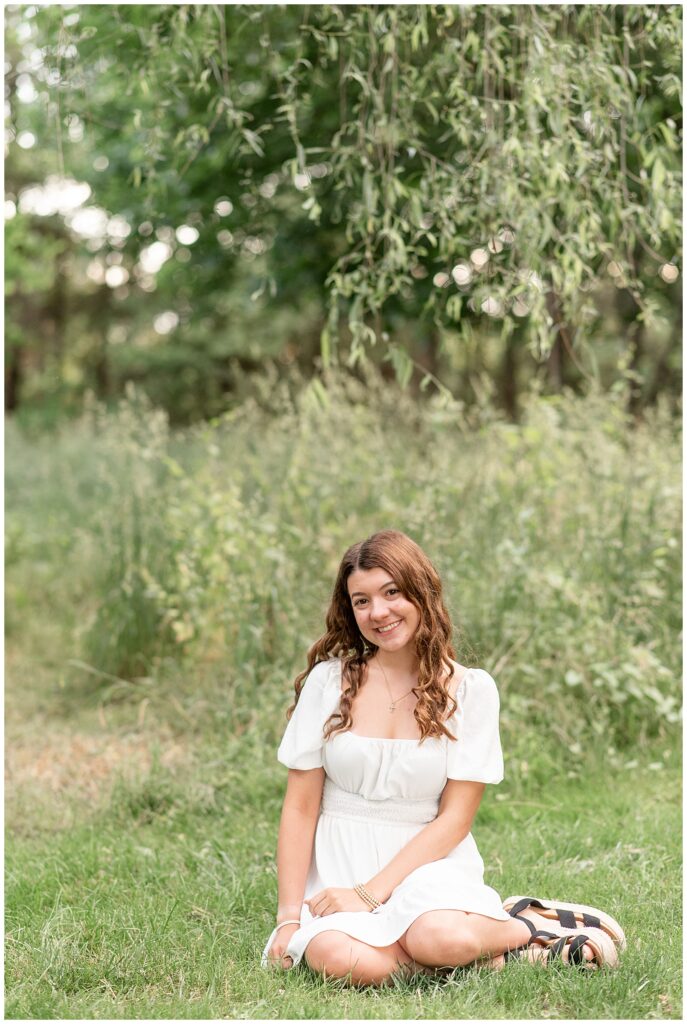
(296, 834)
(457, 809)
(299, 816)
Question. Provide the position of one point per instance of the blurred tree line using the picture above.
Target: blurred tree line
(478, 198)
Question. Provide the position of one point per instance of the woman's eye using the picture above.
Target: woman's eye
(394, 590)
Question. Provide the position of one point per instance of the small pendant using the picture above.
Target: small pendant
(391, 708)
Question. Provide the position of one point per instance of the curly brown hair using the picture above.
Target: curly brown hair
(418, 580)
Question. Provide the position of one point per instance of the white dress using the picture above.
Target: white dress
(378, 794)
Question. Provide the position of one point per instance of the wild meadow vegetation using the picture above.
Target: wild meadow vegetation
(162, 590)
(279, 276)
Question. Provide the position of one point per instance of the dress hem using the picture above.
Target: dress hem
(301, 939)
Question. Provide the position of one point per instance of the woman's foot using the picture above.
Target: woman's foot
(569, 915)
(530, 922)
(545, 924)
(590, 948)
(536, 954)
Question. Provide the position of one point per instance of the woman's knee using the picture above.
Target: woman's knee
(330, 953)
(442, 938)
(336, 955)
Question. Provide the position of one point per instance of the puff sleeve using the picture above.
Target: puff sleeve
(301, 745)
(475, 755)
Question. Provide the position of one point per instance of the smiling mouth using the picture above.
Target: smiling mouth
(388, 629)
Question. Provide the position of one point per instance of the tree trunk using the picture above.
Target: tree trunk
(634, 401)
(101, 362)
(664, 378)
(58, 307)
(556, 361)
(13, 379)
(509, 381)
(429, 353)
(101, 370)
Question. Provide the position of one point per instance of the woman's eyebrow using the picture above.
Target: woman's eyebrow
(360, 593)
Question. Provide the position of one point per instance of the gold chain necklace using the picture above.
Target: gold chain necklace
(392, 702)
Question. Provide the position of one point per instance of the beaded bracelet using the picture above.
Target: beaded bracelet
(366, 896)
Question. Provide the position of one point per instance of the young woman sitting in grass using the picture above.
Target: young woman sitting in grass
(389, 745)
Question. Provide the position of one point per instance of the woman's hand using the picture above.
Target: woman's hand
(278, 947)
(331, 901)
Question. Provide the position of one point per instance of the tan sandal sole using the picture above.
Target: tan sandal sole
(604, 948)
(609, 925)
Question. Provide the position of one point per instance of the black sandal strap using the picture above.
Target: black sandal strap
(547, 936)
(575, 955)
(542, 938)
(556, 948)
(567, 919)
(532, 928)
(523, 904)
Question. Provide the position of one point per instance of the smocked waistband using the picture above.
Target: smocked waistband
(394, 811)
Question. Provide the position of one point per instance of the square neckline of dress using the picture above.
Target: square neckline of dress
(401, 739)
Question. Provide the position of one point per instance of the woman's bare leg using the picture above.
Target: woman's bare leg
(337, 955)
(453, 938)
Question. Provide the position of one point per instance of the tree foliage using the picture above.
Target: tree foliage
(430, 173)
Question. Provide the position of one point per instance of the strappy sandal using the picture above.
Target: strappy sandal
(605, 953)
(569, 915)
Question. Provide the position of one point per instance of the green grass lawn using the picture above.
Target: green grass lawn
(155, 900)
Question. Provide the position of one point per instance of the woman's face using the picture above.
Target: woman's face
(384, 616)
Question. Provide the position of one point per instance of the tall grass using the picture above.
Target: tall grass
(558, 541)
(162, 590)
